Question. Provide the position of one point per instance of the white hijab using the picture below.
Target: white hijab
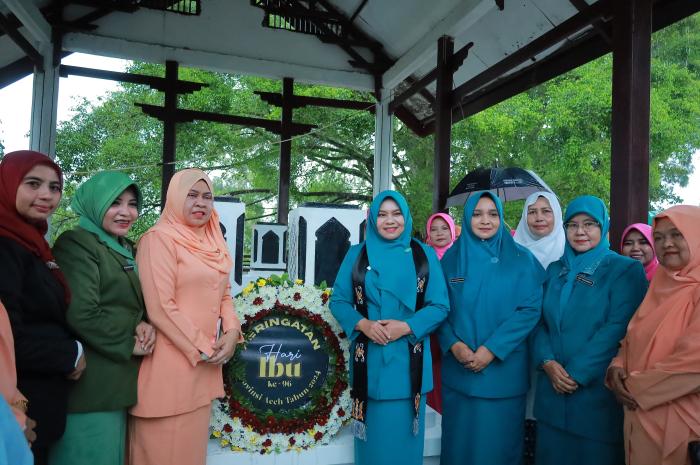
(549, 248)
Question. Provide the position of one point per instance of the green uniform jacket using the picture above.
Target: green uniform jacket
(105, 308)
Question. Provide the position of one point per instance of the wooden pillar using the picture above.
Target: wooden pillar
(383, 148)
(629, 165)
(169, 127)
(285, 150)
(443, 123)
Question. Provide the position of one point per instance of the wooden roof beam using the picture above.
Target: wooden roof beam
(455, 63)
(358, 61)
(123, 7)
(187, 116)
(547, 40)
(32, 19)
(345, 22)
(299, 101)
(454, 23)
(603, 29)
(15, 71)
(17, 37)
(204, 59)
(584, 50)
(154, 82)
(85, 23)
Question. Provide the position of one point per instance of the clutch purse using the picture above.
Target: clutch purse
(694, 452)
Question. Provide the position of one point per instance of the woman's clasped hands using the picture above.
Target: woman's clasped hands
(144, 339)
(615, 381)
(475, 361)
(383, 331)
(561, 381)
(224, 347)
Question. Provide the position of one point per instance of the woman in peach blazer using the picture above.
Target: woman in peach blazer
(8, 372)
(656, 374)
(184, 267)
(13, 447)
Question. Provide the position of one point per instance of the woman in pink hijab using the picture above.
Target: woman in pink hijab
(441, 233)
(638, 243)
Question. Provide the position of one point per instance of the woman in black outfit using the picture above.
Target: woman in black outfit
(35, 293)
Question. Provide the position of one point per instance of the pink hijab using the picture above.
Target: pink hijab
(453, 232)
(644, 230)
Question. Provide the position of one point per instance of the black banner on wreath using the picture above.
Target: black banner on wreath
(285, 362)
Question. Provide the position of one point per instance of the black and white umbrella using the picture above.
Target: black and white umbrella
(506, 183)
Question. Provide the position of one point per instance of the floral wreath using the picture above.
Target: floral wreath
(240, 426)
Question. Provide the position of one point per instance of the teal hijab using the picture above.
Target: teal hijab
(576, 263)
(469, 251)
(480, 272)
(392, 259)
(92, 200)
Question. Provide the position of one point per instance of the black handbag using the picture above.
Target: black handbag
(694, 452)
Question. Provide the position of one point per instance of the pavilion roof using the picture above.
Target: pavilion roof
(343, 43)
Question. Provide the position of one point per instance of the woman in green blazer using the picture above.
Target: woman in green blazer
(106, 313)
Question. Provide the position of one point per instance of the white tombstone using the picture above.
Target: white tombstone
(232, 216)
(269, 250)
(319, 237)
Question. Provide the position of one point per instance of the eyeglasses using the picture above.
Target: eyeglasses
(587, 226)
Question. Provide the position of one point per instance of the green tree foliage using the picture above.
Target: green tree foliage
(560, 129)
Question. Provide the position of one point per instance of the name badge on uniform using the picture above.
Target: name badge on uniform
(128, 267)
(456, 280)
(583, 279)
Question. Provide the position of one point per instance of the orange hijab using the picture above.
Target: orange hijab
(663, 338)
(211, 247)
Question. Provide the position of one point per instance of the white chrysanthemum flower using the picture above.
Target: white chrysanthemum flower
(244, 437)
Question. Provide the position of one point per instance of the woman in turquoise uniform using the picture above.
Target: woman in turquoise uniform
(589, 296)
(389, 296)
(495, 289)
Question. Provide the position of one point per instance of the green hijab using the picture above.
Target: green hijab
(92, 200)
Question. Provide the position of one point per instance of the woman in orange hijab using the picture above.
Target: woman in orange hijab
(184, 268)
(656, 374)
(8, 377)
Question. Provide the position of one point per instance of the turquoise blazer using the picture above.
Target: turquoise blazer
(583, 338)
(503, 329)
(388, 366)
